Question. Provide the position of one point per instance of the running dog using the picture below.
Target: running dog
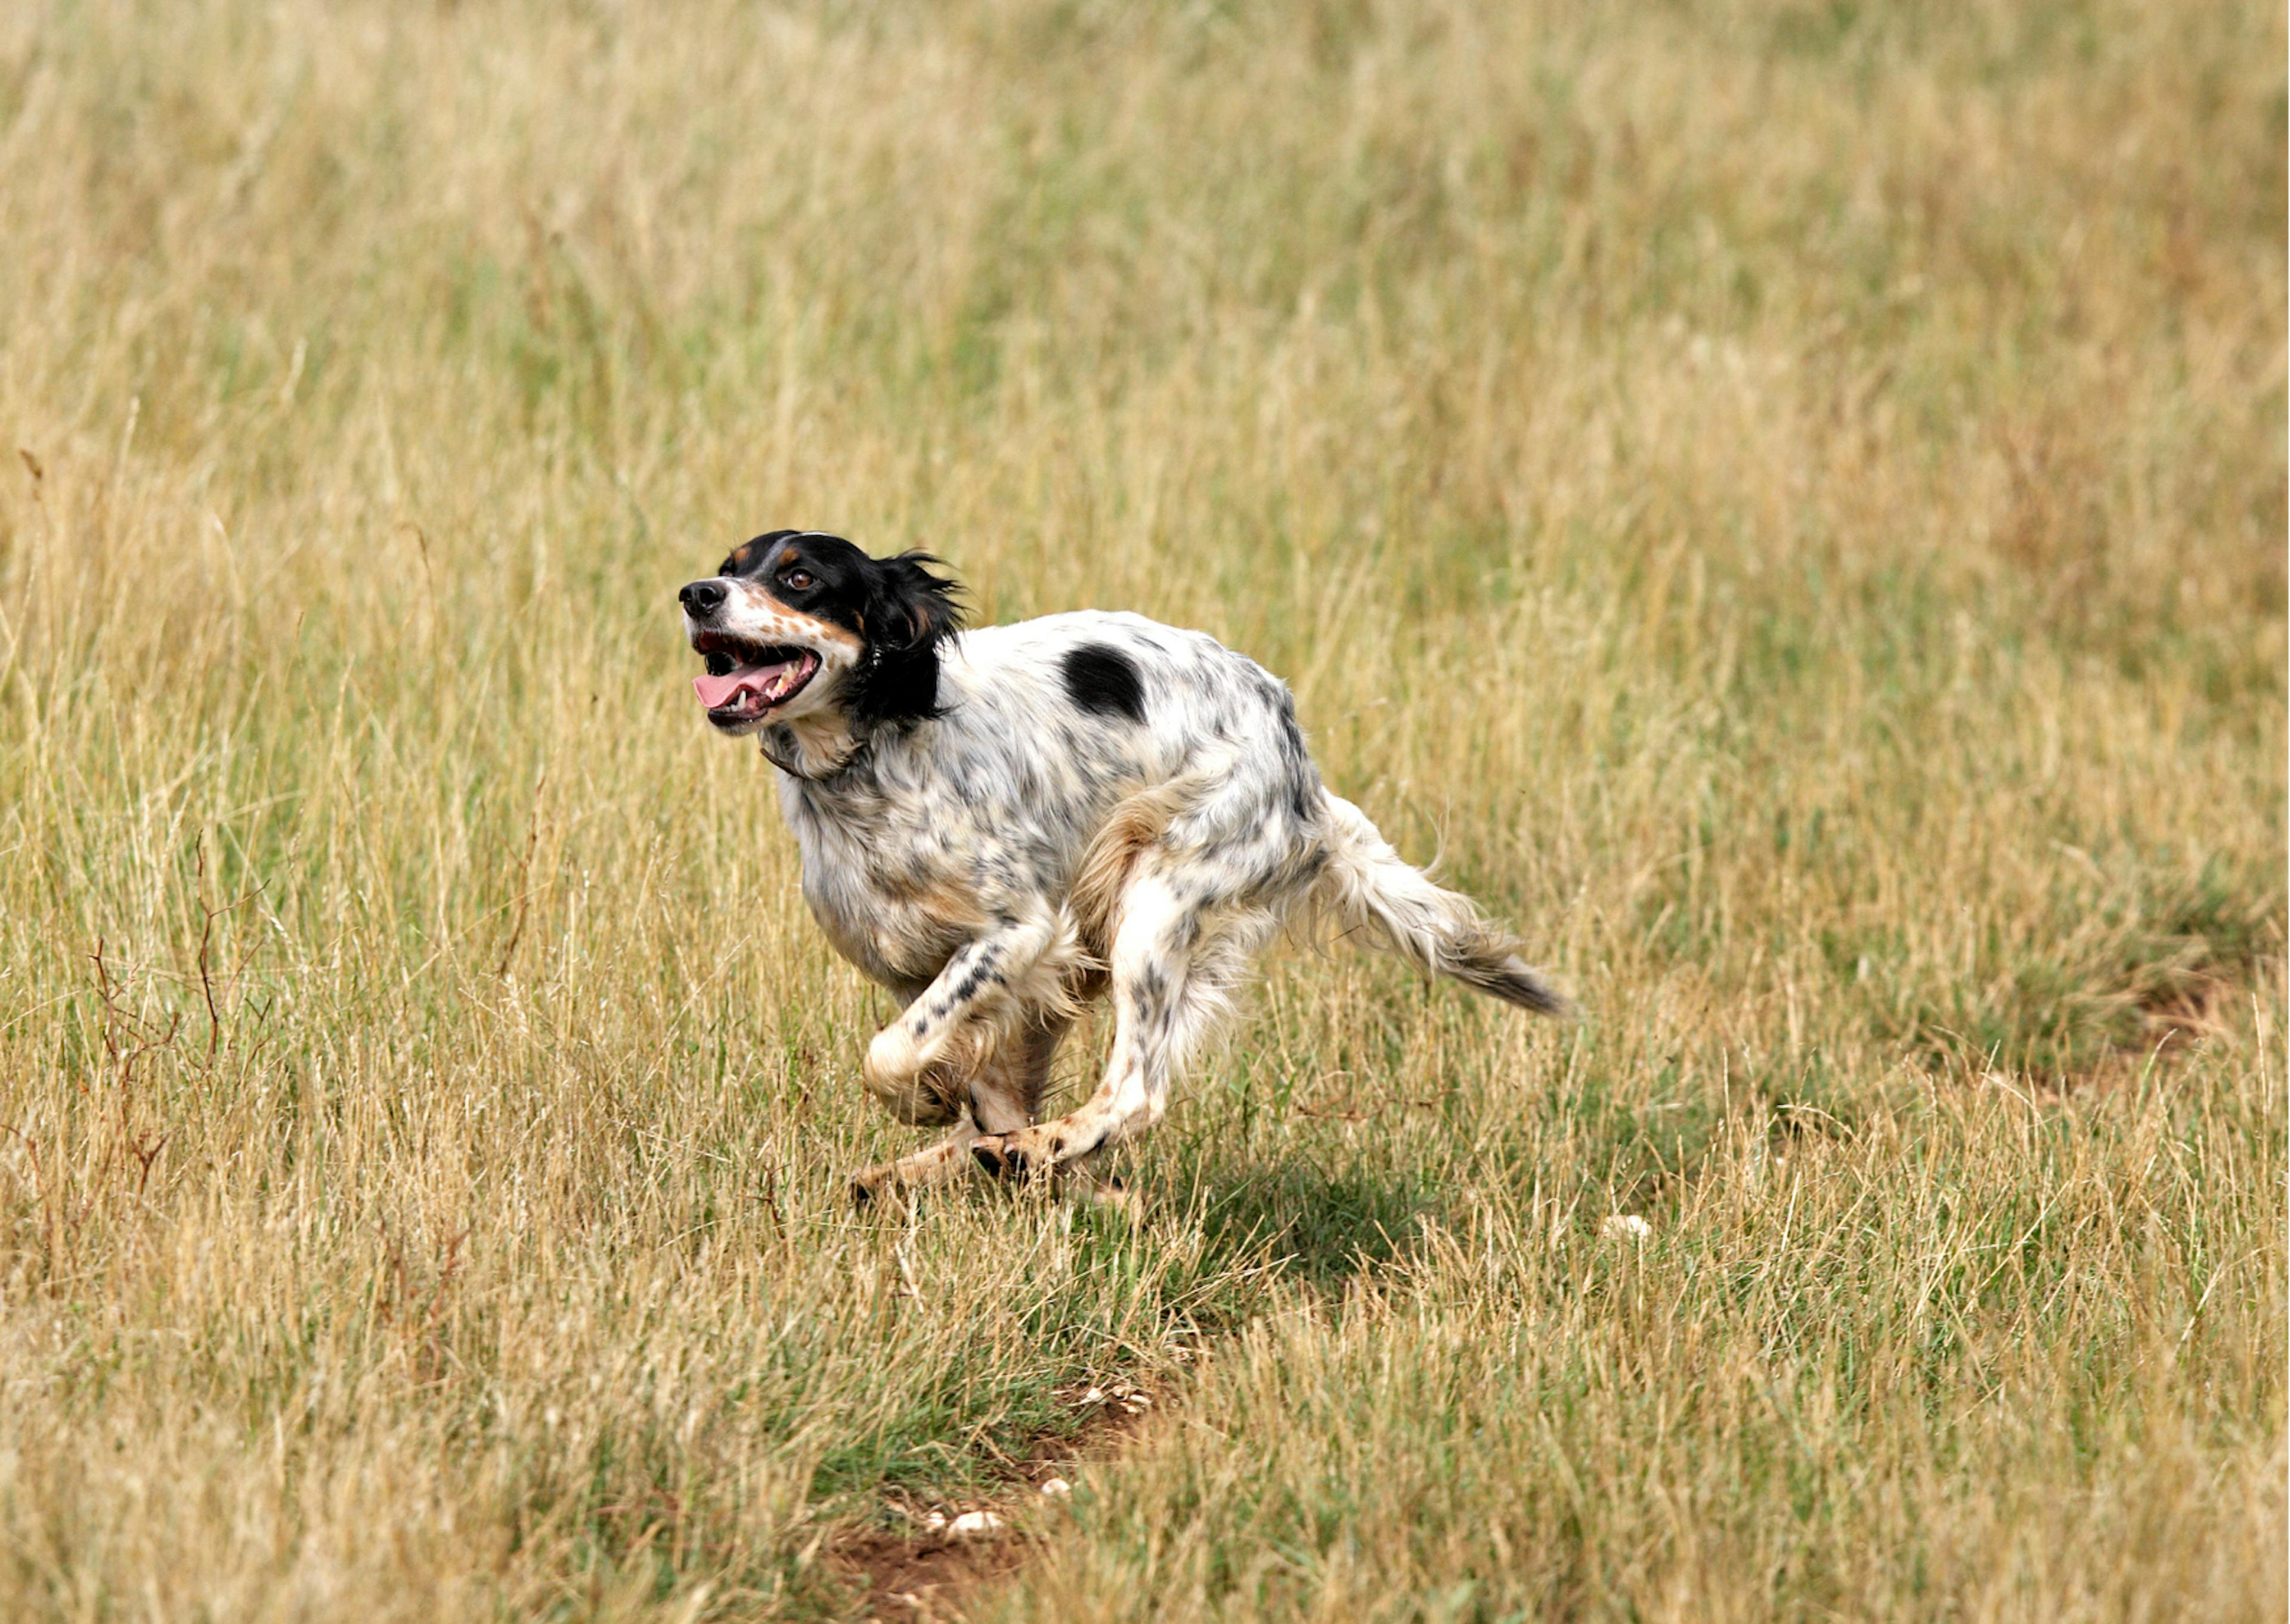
(1002, 824)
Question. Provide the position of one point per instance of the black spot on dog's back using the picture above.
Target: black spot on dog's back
(1104, 681)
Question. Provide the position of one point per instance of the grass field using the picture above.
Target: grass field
(1787, 500)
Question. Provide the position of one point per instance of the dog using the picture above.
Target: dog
(1002, 824)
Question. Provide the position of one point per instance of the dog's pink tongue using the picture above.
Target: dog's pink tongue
(717, 692)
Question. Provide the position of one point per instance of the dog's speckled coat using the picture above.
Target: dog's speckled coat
(1000, 824)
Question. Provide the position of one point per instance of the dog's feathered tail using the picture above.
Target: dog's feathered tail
(1366, 886)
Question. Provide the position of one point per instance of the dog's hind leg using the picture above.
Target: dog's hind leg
(933, 1164)
(1004, 1093)
(1174, 965)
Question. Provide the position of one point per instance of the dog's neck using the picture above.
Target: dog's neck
(815, 749)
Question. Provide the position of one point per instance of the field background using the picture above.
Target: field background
(1785, 499)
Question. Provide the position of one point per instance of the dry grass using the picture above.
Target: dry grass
(1788, 499)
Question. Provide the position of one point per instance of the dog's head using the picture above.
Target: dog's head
(798, 624)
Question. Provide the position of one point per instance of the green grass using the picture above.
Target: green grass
(1786, 500)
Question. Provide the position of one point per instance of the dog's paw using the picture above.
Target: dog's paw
(1030, 1153)
(893, 1057)
(998, 1156)
(892, 1067)
(918, 1095)
(1027, 1154)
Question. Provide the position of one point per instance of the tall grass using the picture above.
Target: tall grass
(1787, 500)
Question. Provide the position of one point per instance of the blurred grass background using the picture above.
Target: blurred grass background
(1786, 499)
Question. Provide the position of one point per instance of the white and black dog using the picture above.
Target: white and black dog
(1001, 824)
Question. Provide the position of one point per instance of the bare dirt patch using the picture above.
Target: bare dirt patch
(901, 1577)
(956, 1550)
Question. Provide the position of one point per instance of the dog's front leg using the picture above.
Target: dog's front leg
(1001, 1094)
(917, 1065)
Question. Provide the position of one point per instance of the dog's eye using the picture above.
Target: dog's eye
(799, 580)
(719, 663)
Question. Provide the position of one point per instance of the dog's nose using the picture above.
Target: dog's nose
(702, 598)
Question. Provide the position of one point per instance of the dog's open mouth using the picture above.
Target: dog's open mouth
(747, 680)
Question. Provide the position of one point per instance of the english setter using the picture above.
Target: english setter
(1003, 823)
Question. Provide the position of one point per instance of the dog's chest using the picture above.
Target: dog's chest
(889, 890)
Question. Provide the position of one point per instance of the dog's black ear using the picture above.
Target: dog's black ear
(909, 613)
